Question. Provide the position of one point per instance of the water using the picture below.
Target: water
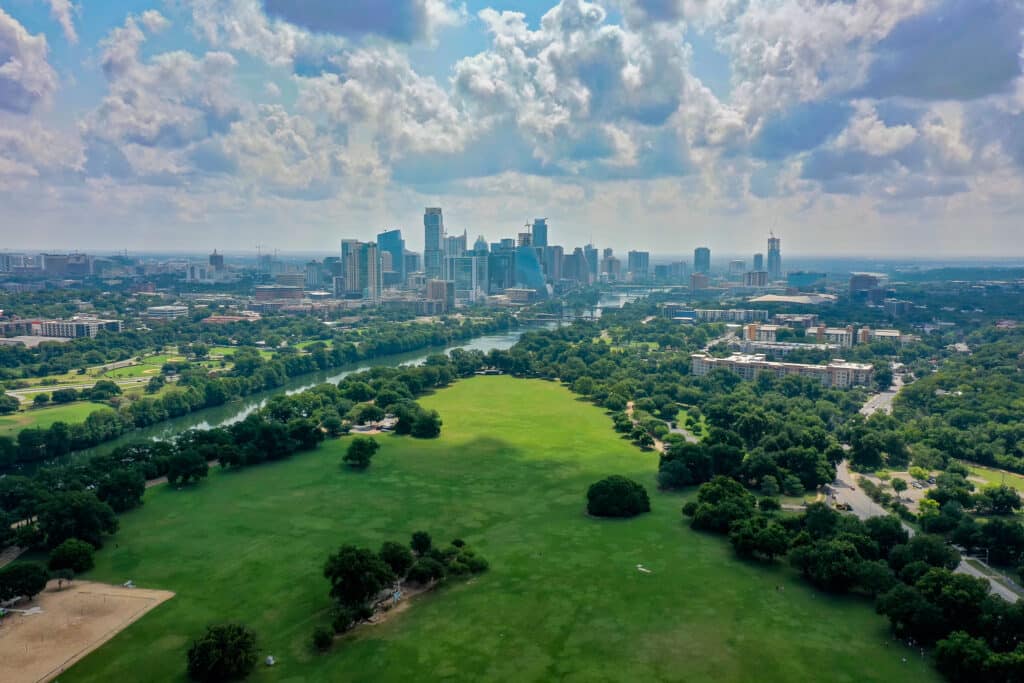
(237, 411)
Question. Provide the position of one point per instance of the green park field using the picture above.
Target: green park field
(70, 413)
(563, 599)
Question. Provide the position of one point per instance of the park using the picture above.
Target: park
(564, 598)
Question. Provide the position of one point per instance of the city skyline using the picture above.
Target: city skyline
(636, 124)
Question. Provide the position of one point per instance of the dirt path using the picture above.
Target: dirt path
(71, 623)
(658, 444)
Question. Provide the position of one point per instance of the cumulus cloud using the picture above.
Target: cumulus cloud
(400, 20)
(26, 77)
(869, 134)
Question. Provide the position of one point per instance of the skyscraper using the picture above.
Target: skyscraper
(638, 264)
(758, 262)
(702, 260)
(362, 271)
(540, 232)
(433, 241)
(774, 257)
(391, 242)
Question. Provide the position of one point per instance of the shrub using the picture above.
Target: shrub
(323, 638)
(72, 554)
(617, 496)
(226, 652)
(426, 570)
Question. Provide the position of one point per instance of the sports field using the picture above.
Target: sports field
(563, 599)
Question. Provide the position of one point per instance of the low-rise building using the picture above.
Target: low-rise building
(77, 327)
(165, 312)
(838, 373)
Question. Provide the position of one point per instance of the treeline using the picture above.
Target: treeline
(970, 407)
(197, 388)
(80, 499)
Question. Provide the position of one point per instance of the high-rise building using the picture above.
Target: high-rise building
(524, 239)
(774, 257)
(391, 242)
(362, 270)
(433, 241)
(540, 232)
(758, 262)
(736, 268)
(638, 264)
(217, 261)
(553, 257)
(702, 260)
(593, 261)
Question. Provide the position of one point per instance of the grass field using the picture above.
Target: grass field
(10, 425)
(563, 599)
(995, 477)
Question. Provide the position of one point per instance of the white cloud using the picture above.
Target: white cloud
(154, 21)
(26, 77)
(867, 133)
(61, 11)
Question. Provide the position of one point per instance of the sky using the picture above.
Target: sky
(861, 127)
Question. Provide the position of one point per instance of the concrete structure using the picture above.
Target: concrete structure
(699, 282)
(764, 333)
(731, 315)
(165, 312)
(638, 264)
(77, 327)
(755, 278)
(841, 336)
(293, 279)
(838, 373)
(278, 292)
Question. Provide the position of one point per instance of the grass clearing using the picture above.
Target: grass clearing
(563, 599)
(994, 477)
(70, 413)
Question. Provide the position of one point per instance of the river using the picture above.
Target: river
(238, 410)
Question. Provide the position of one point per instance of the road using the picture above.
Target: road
(844, 490)
(883, 401)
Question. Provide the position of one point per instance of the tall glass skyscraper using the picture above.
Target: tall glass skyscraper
(540, 232)
(774, 257)
(433, 242)
(702, 260)
(758, 262)
(391, 241)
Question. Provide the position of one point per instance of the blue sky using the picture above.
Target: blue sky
(868, 127)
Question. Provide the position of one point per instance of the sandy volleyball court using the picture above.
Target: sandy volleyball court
(73, 622)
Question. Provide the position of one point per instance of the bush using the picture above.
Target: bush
(426, 570)
(397, 556)
(477, 565)
(421, 542)
(617, 496)
(343, 618)
(22, 579)
(226, 652)
(323, 638)
(360, 451)
(72, 554)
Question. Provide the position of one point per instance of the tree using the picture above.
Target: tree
(122, 489)
(831, 565)
(72, 554)
(998, 500)
(40, 399)
(421, 543)
(397, 556)
(927, 548)
(8, 404)
(26, 579)
(356, 575)
(427, 425)
(887, 531)
(185, 466)
(360, 452)
(898, 485)
(961, 658)
(617, 496)
(425, 570)
(75, 514)
(226, 652)
(64, 396)
(770, 485)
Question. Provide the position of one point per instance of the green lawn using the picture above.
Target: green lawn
(563, 599)
(10, 425)
(995, 477)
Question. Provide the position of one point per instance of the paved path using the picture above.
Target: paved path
(843, 490)
(10, 554)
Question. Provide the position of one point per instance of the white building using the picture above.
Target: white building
(838, 373)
